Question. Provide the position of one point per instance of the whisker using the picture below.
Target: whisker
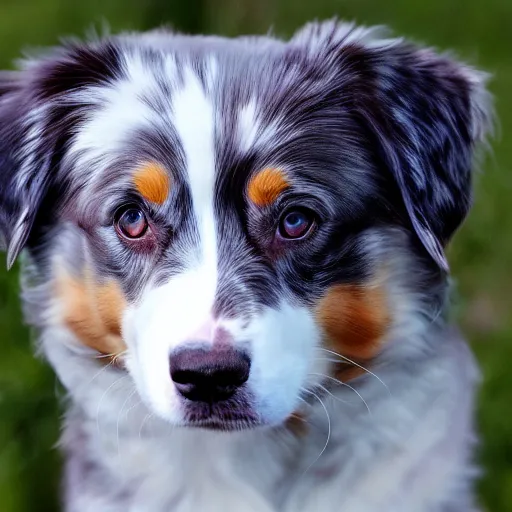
(102, 398)
(305, 401)
(323, 388)
(328, 431)
(359, 366)
(136, 404)
(346, 385)
(104, 368)
(119, 415)
(297, 417)
(146, 418)
(436, 316)
(104, 356)
(332, 360)
(116, 357)
(96, 375)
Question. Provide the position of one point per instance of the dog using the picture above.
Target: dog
(234, 253)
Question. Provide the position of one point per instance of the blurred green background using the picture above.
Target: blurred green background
(478, 30)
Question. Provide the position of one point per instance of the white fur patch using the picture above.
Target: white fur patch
(248, 125)
(253, 133)
(120, 112)
(170, 314)
(194, 120)
(283, 358)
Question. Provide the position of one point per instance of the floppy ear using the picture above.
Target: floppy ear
(23, 168)
(38, 113)
(426, 112)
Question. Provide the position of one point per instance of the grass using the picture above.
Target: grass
(481, 255)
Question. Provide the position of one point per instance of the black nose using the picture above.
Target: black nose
(209, 374)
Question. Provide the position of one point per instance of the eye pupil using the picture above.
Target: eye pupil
(295, 219)
(133, 216)
(295, 224)
(132, 223)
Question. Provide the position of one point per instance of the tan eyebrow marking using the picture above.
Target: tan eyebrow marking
(266, 186)
(153, 182)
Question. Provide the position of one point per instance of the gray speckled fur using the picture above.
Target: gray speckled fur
(382, 134)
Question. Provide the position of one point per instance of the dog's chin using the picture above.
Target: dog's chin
(228, 415)
(221, 425)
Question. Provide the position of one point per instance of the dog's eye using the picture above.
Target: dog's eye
(131, 222)
(296, 224)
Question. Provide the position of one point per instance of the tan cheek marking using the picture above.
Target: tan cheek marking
(153, 182)
(93, 313)
(266, 186)
(355, 320)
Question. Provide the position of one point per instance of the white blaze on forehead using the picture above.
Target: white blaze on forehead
(169, 315)
(194, 121)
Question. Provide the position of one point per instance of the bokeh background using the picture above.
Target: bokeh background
(479, 31)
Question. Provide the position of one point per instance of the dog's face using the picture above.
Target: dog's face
(231, 219)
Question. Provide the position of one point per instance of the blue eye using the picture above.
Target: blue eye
(296, 224)
(132, 223)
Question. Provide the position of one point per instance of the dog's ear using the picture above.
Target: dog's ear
(20, 195)
(40, 105)
(426, 113)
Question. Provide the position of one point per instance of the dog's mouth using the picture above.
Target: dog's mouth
(224, 425)
(236, 413)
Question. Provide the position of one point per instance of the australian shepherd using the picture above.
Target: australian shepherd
(234, 256)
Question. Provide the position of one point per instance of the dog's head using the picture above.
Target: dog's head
(231, 219)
